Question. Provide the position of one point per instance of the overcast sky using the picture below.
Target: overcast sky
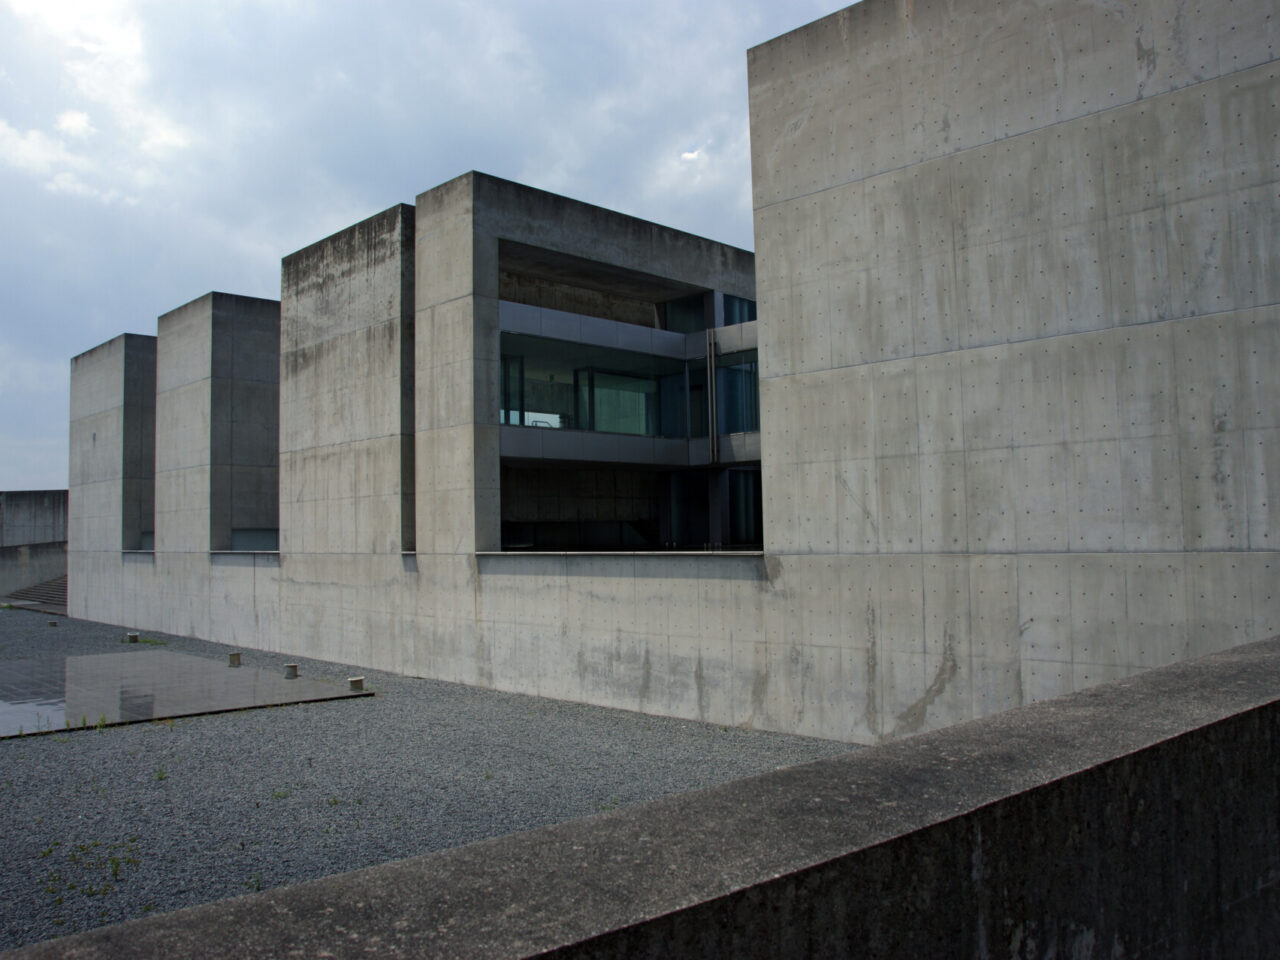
(153, 151)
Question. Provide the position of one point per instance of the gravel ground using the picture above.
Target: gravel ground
(98, 826)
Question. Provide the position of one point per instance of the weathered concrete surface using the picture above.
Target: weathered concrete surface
(1139, 818)
(111, 500)
(217, 429)
(1016, 273)
(346, 390)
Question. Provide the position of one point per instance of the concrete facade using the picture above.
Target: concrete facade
(1018, 429)
(1017, 272)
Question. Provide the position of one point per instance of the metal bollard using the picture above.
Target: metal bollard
(290, 671)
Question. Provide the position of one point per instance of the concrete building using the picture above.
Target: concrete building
(1007, 425)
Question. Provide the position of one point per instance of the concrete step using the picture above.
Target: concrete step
(50, 595)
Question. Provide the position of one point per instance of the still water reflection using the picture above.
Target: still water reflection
(56, 693)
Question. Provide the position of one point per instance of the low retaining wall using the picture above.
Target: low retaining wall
(29, 564)
(32, 516)
(1138, 818)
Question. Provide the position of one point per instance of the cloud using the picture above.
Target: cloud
(178, 148)
(35, 152)
(75, 123)
(104, 58)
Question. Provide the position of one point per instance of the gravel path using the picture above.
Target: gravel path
(99, 826)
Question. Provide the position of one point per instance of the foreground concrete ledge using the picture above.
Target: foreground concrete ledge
(1141, 816)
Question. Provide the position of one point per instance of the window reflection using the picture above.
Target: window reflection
(572, 386)
(737, 392)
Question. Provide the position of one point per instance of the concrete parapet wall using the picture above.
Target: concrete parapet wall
(1135, 819)
(862, 649)
(32, 516)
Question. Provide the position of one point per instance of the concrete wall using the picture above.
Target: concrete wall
(346, 390)
(32, 516)
(1017, 283)
(1137, 819)
(217, 450)
(217, 434)
(33, 537)
(111, 500)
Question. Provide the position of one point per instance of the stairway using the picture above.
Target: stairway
(47, 597)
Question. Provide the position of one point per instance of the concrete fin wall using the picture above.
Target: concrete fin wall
(217, 426)
(347, 332)
(111, 469)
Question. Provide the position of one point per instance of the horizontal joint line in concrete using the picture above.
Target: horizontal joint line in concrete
(1031, 338)
(1013, 136)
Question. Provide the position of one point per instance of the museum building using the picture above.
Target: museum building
(991, 414)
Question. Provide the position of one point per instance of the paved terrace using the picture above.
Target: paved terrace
(104, 825)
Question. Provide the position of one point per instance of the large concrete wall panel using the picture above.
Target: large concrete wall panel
(111, 468)
(1150, 437)
(217, 421)
(1043, 234)
(346, 388)
(885, 85)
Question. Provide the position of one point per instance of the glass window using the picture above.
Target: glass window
(688, 314)
(575, 386)
(745, 513)
(512, 391)
(738, 310)
(737, 392)
(698, 414)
